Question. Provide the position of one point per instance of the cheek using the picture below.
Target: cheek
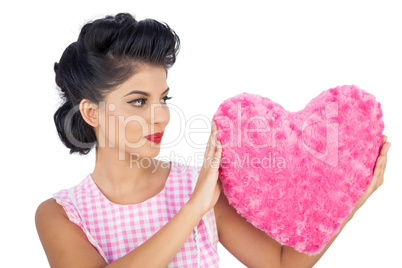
(117, 128)
(110, 129)
(132, 128)
(121, 129)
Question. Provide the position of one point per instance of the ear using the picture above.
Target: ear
(89, 112)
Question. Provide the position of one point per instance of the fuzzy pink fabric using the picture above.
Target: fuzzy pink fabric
(297, 175)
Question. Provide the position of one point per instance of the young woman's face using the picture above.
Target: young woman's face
(135, 109)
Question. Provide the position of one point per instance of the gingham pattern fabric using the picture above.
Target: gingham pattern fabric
(115, 230)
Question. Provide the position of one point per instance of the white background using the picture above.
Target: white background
(288, 51)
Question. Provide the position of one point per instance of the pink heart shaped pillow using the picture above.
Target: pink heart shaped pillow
(297, 175)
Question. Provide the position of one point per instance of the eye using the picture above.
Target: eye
(166, 98)
(138, 102)
(141, 102)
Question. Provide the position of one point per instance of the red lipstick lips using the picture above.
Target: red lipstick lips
(156, 137)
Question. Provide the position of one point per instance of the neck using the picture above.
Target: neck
(115, 174)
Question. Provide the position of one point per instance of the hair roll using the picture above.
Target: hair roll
(73, 131)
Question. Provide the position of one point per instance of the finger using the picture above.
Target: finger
(210, 150)
(385, 148)
(381, 163)
(384, 138)
(379, 171)
(211, 136)
(217, 157)
(213, 126)
(378, 176)
(213, 133)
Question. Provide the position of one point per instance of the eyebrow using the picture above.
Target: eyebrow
(143, 92)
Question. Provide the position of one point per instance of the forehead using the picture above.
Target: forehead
(147, 78)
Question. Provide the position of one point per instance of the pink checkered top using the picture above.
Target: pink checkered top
(115, 230)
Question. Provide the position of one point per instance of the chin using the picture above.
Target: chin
(145, 153)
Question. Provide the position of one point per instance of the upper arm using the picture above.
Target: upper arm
(65, 244)
(251, 246)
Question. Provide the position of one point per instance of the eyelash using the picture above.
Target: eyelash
(142, 99)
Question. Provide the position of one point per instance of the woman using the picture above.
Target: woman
(134, 210)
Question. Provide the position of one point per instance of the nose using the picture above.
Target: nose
(160, 114)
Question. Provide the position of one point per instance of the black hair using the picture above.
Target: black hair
(105, 55)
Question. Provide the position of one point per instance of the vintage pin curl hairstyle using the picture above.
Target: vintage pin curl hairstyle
(106, 54)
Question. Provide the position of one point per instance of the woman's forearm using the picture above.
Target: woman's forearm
(160, 249)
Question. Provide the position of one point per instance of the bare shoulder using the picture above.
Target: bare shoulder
(47, 208)
(65, 244)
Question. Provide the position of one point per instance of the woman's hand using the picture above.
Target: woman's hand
(378, 176)
(208, 188)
